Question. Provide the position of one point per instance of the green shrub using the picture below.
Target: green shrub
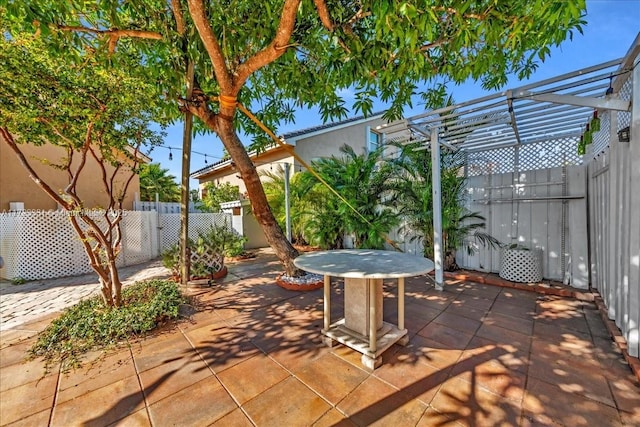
(171, 259)
(91, 325)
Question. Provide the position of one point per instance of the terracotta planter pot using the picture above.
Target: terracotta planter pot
(220, 273)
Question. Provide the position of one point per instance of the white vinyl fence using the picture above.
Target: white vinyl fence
(541, 209)
(169, 225)
(43, 244)
(534, 196)
(614, 209)
(162, 207)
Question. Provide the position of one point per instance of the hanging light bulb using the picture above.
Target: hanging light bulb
(205, 160)
(170, 154)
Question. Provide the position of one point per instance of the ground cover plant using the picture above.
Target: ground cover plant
(91, 325)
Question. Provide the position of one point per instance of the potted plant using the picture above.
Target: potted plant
(206, 253)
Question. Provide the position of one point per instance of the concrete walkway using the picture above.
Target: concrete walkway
(252, 355)
(24, 303)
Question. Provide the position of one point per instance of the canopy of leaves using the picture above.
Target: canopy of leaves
(156, 180)
(377, 49)
(45, 100)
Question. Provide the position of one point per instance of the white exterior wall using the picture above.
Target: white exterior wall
(614, 208)
(552, 217)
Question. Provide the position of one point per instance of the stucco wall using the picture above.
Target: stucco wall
(328, 143)
(17, 186)
(266, 162)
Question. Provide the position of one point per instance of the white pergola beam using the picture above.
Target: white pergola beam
(579, 101)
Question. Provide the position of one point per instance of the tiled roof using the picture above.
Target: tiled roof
(328, 125)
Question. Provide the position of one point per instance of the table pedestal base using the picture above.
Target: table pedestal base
(386, 336)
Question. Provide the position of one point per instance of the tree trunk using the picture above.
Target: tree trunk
(261, 210)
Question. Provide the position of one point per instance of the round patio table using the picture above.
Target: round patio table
(362, 327)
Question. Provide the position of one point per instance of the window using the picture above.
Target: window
(374, 140)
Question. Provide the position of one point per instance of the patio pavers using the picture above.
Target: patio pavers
(253, 355)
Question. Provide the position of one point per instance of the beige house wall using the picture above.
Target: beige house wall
(17, 186)
(265, 162)
(328, 143)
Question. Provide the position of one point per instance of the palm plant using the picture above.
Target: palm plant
(155, 179)
(364, 183)
(323, 226)
(461, 228)
(301, 196)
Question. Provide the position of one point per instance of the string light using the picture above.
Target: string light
(232, 164)
(205, 155)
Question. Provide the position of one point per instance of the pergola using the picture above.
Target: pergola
(556, 108)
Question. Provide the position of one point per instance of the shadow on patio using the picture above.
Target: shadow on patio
(252, 355)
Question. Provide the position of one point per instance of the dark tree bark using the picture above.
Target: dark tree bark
(285, 252)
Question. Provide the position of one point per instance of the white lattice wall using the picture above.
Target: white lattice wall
(527, 157)
(170, 224)
(42, 245)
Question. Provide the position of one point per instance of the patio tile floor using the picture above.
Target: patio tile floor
(253, 355)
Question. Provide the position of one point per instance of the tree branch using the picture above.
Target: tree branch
(323, 13)
(93, 260)
(179, 17)
(452, 11)
(433, 44)
(71, 188)
(103, 173)
(199, 16)
(327, 22)
(274, 49)
(113, 32)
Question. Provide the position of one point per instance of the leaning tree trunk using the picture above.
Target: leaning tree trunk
(261, 210)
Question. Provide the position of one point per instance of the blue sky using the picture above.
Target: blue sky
(612, 25)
